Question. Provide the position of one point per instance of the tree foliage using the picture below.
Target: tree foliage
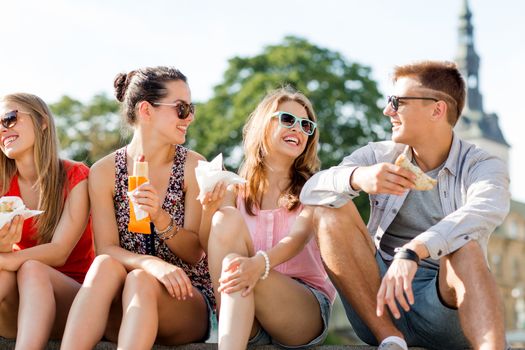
(343, 94)
(87, 132)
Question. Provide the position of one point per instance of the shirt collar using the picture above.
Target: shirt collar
(451, 163)
(453, 155)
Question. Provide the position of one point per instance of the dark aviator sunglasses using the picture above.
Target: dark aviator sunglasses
(394, 100)
(183, 109)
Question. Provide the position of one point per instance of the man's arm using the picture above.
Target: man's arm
(487, 203)
(358, 172)
(331, 187)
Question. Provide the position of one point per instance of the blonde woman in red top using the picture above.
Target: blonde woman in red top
(43, 260)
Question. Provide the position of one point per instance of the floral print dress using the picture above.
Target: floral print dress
(174, 205)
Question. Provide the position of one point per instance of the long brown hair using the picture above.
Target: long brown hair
(255, 142)
(52, 179)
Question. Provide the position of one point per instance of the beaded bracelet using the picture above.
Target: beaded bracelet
(165, 237)
(167, 229)
(266, 264)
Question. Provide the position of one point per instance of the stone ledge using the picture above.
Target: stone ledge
(9, 344)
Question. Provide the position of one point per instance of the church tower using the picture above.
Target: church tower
(475, 125)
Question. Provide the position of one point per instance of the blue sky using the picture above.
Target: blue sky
(58, 47)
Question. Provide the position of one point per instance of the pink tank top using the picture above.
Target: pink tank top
(268, 227)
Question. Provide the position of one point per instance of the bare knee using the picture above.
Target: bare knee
(468, 260)
(464, 268)
(337, 220)
(33, 271)
(472, 250)
(105, 267)
(139, 282)
(106, 262)
(225, 225)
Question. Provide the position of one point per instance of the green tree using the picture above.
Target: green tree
(344, 96)
(87, 132)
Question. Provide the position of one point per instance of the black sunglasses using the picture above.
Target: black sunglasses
(288, 120)
(10, 118)
(394, 100)
(183, 109)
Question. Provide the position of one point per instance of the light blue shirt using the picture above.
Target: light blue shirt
(473, 190)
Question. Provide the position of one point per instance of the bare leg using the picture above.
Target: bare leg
(45, 298)
(466, 282)
(8, 304)
(149, 311)
(228, 234)
(88, 318)
(284, 307)
(287, 310)
(229, 238)
(237, 315)
(349, 257)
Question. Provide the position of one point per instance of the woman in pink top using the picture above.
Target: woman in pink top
(267, 272)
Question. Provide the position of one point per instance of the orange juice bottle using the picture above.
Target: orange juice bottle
(140, 175)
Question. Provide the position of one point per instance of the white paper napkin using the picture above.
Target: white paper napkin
(18, 209)
(139, 213)
(210, 173)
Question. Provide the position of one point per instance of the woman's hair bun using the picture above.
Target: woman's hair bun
(121, 84)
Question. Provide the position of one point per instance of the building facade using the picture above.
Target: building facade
(507, 244)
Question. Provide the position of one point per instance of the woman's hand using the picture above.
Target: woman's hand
(147, 198)
(174, 279)
(211, 201)
(11, 233)
(242, 273)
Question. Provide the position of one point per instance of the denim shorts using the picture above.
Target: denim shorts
(212, 317)
(263, 338)
(429, 323)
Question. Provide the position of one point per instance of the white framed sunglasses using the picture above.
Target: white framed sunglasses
(288, 120)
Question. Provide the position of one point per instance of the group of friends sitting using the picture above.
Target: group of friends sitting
(266, 257)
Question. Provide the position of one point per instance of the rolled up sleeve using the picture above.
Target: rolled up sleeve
(331, 187)
(486, 206)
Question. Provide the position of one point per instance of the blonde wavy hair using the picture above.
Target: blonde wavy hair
(256, 135)
(52, 179)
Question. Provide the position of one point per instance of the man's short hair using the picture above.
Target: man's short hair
(441, 76)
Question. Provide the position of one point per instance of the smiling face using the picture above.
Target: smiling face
(165, 119)
(290, 142)
(412, 122)
(19, 140)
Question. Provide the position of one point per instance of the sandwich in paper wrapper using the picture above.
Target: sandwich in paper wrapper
(423, 181)
(210, 173)
(11, 206)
